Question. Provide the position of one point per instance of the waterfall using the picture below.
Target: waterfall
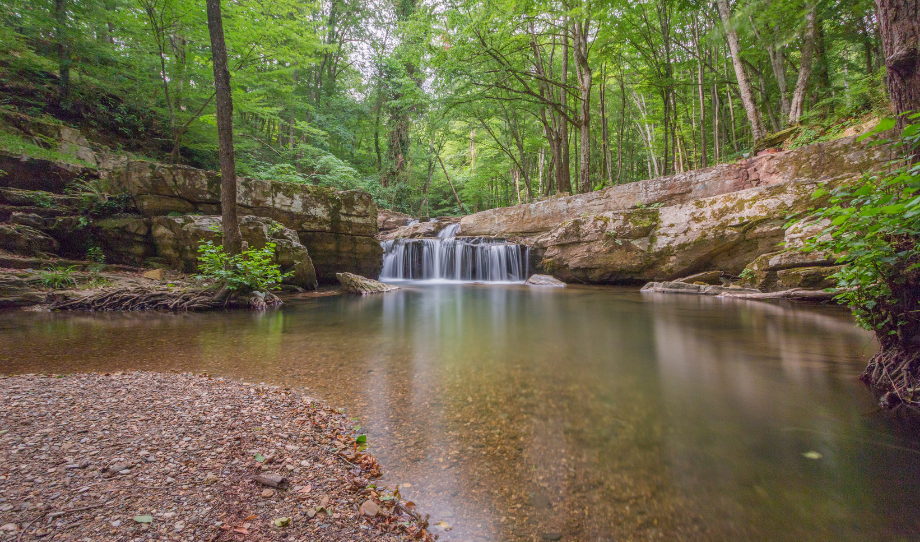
(454, 258)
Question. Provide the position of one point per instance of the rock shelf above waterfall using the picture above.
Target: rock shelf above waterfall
(473, 259)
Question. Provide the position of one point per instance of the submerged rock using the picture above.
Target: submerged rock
(544, 280)
(701, 289)
(356, 284)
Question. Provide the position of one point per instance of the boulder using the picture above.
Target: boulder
(356, 284)
(17, 292)
(808, 278)
(699, 289)
(21, 239)
(644, 244)
(176, 240)
(706, 277)
(28, 219)
(419, 230)
(388, 220)
(124, 240)
(338, 227)
(544, 280)
(153, 205)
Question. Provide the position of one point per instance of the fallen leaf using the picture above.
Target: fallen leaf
(361, 439)
(260, 458)
(143, 519)
(812, 455)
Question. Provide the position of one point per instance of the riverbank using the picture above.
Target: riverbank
(185, 457)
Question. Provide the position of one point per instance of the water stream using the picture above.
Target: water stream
(598, 414)
(448, 257)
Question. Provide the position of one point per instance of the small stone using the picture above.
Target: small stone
(210, 479)
(271, 480)
(551, 536)
(9, 527)
(116, 523)
(154, 274)
(370, 508)
(268, 493)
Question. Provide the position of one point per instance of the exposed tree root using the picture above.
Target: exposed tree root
(143, 298)
(895, 373)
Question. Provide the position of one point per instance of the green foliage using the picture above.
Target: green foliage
(58, 277)
(872, 226)
(253, 269)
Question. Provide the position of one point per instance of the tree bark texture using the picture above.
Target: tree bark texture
(797, 106)
(744, 82)
(231, 229)
(899, 26)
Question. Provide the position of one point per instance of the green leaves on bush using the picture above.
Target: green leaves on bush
(253, 269)
(872, 227)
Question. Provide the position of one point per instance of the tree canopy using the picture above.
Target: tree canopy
(444, 106)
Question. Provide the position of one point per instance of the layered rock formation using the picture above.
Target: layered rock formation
(337, 227)
(824, 162)
(721, 218)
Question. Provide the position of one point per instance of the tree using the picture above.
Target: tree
(744, 82)
(899, 26)
(224, 102)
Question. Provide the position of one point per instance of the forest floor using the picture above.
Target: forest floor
(180, 457)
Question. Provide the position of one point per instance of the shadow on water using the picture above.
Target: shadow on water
(513, 413)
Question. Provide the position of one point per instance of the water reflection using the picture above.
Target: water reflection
(510, 413)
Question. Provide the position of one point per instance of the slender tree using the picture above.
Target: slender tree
(232, 238)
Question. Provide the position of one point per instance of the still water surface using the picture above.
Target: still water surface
(515, 413)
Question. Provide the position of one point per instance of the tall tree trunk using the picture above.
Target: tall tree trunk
(583, 73)
(744, 83)
(700, 95)
(62, 45)
(621, 131)
(224, 102)
(808, 45)
(899, 26)
(605, 135)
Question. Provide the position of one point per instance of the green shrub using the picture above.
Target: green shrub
(873, 227)
(253, 269)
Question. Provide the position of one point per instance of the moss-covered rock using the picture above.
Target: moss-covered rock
(809, 278)
(338, 227)
(177, 240)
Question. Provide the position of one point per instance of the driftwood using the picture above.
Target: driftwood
(142, 298)
(798, 294)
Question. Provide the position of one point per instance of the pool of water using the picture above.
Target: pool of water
(516, 413)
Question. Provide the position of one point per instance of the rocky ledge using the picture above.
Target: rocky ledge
(728, 218)
(185, 457)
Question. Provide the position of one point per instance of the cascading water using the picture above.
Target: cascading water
(454, 258)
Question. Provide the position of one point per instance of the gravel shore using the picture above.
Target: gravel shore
(154, 456)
